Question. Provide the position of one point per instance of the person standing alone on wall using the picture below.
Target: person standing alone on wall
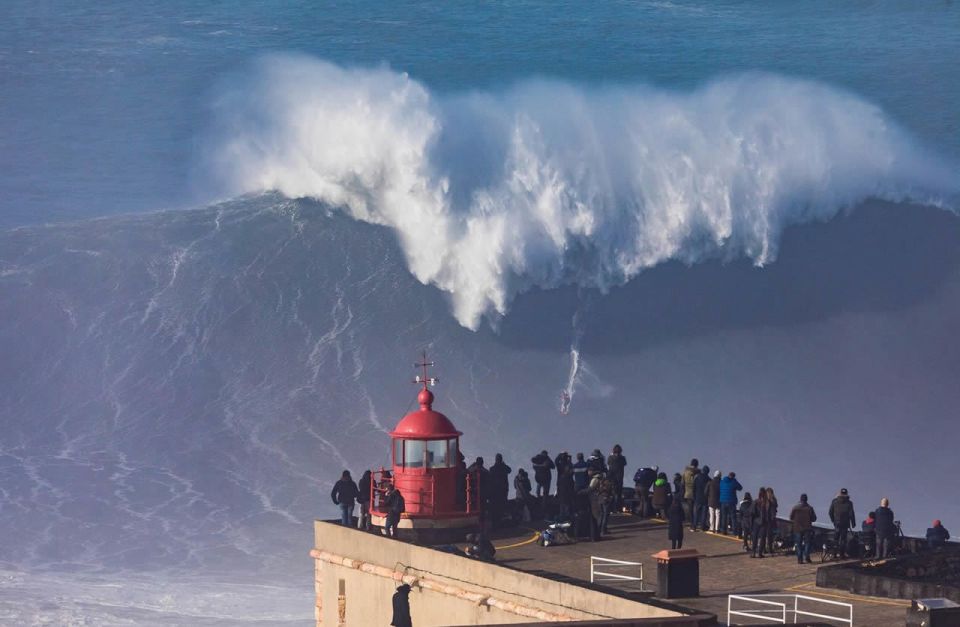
(401, 607)
(344, 494)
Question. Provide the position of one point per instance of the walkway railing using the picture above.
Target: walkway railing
(615, 570)
(775, 608)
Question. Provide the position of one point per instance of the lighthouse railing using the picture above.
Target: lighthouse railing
(424, 499)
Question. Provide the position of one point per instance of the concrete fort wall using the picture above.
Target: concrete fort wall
(356, 574)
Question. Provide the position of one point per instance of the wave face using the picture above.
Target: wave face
(548, 183)
(180, 389)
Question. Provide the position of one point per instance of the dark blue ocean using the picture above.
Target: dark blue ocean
(723, 230)
(105, 105)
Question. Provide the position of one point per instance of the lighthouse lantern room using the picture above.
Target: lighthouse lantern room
(427, 470)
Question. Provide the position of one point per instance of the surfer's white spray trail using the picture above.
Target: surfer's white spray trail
(549, 183)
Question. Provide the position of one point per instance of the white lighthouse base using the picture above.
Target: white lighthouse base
(424, 530)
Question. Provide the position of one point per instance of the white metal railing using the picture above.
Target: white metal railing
(624, 571)
(775, 611)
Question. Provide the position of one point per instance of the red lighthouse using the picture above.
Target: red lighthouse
(425, 456)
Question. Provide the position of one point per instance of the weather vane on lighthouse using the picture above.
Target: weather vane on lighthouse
(425, 380)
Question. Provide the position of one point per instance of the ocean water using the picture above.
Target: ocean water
(725, 230)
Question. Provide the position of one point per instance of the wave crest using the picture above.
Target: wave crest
(547, 183)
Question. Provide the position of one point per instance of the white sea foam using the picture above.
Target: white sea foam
(548, 183)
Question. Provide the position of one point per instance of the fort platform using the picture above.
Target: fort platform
(725, 569)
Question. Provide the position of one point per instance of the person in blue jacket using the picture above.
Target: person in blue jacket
(729, 486)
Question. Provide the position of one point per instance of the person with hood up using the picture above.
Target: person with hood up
(344, 494)
(937, 535)
(616, 466)
(661, 495)
(580, 478)
(885, 528)
(366, 479)
(643, 480)
(713, 501)
(843, 519)
(499, 475)
(542, 467)
(729, 486)
(802, 518)
(699, 518)
(675, 524)
(689, 480)
(744, 513)
(401, 607)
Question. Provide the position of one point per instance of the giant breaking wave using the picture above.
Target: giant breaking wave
(548, 183)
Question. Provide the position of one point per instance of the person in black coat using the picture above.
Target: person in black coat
(699, 513)
(565, 490)
(884, 528)
(937, 535)
(616, 467)
(364, 499)
(745, 512)
(542, 465)
(396, 505)
(344, 494)
(675, 519)
(480, 491)
(401, 607)
(499, 489)
(843, 519)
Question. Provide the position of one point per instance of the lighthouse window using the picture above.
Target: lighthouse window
(437, 454)
(414, 453)
(398, 452)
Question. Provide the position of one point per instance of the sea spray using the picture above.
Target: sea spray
(548, 183)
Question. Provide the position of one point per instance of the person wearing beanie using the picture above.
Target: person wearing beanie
(937, 535)
(802, 518)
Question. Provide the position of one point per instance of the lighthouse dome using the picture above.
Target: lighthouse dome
(425, 423)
